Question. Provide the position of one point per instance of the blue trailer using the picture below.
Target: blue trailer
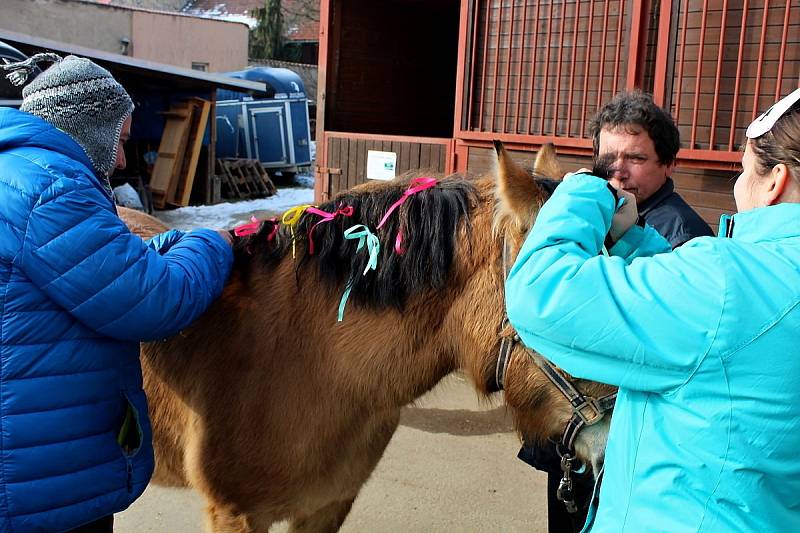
(273, 127)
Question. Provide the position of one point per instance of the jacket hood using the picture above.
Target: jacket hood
(18, 129)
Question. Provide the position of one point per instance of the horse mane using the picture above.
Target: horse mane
(429, 220)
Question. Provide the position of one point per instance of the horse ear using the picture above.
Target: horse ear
(546, 163)
(518, 195)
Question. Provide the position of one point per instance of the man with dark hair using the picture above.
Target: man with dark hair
(639, 142)
(643, 142)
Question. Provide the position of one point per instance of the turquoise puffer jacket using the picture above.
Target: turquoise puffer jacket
(703, 344)
(78, 292)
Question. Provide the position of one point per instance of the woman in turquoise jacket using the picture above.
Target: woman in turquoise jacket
(702, 342)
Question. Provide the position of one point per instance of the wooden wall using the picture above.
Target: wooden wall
(349, 156)
(741, 56)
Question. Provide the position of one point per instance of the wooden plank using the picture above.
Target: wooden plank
(394, 146)
(344, 149)
(264, 175)
(404, 158)
(244, 187)
(414, 156)
(704, 180)
(170, 153)
(334, 161)
(194, 144)
(425, 156)
(352, 163)
(436, 157)
(228, 179)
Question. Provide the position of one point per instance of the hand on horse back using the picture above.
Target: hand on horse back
(274, 411)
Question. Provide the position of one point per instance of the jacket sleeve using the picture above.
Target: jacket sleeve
(640, 242)
(79, 253)
(162, 242)
(644, 325)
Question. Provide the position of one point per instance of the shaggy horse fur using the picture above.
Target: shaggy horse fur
(273, 410)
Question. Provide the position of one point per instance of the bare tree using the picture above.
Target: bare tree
(277, 20)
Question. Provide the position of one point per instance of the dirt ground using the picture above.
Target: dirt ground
(451, 466)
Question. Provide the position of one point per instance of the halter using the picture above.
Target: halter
(586, 410)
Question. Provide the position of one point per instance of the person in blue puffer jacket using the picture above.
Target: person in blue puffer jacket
(701, 342)
(78, 292)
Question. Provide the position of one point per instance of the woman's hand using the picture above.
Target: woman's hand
(225, 234)
(625, 216)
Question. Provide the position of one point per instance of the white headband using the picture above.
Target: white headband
(764, 123)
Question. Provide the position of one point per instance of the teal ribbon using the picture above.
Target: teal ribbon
(365, 238)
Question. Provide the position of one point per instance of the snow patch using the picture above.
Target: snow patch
(230, 214)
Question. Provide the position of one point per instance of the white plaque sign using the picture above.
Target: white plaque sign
(381, 165)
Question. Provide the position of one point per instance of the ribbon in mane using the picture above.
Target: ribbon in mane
(416, 185)
(370, 240)
(346, 211)
(291, 218)
(252, 227)
(248, 229)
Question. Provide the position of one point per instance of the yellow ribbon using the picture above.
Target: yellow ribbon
(291, 218)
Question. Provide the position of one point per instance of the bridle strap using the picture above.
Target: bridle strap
(506, 347)
(586, 410)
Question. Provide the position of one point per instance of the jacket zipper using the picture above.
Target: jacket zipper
(727, 220)
(130, 476)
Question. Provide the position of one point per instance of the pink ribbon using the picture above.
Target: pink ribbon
(247, 229)
(274, 230)
(346, 211)
(254, 225)
(416, 185)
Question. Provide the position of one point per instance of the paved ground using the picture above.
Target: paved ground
(451, 466)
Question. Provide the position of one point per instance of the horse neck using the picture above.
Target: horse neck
(400, 354)
(478, 308)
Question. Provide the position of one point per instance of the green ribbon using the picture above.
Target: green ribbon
(365, 238)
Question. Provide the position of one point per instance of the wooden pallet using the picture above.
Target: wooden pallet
(244, 178)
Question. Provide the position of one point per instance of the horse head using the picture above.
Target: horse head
(541, 409)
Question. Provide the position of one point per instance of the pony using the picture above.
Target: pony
(273, 410)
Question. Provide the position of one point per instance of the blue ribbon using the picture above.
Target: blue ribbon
(365, 238)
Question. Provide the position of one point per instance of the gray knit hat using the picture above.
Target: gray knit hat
(80, 98)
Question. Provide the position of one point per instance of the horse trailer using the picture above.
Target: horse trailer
(272, 128)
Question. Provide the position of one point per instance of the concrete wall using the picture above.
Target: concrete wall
(91, 25)
(180, 40)
(162, 37)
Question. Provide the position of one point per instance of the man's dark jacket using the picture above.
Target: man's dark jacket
(671, 216)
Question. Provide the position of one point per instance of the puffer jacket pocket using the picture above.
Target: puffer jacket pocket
(130, 435)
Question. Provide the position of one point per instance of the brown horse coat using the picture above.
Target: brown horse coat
(273, 410)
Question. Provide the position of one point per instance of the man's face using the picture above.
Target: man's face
(636, 167)
(124, 135)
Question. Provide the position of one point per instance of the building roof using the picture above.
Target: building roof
(177, 77)
(298, 28)
(110, 4)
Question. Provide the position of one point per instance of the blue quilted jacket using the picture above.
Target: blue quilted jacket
(703, 345)
(78, 292)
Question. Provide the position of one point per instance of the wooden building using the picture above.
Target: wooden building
(155, 88)
(435, 81)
